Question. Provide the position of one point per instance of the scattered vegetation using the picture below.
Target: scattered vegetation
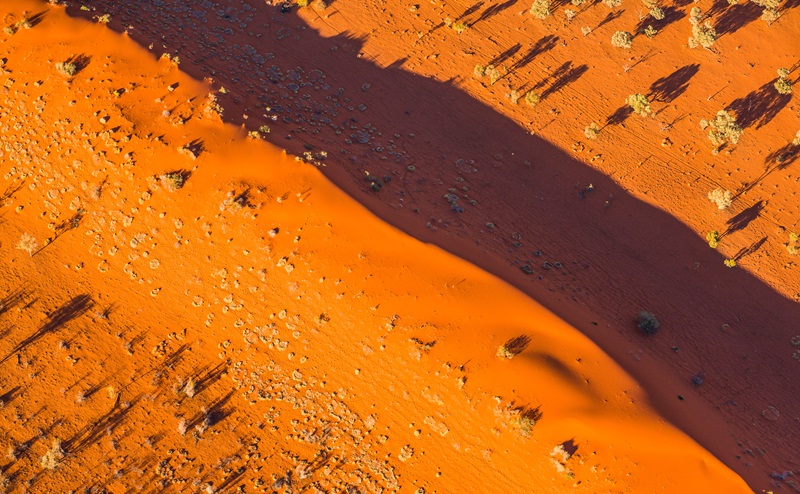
(783, 85)
(512, 347)
(612, 4)
(647, 323)
(51, 459)
(650, 31)
(713, 239)
(103, 19)
(540, 9)
(657, 13)
(532, 98)
(67, 68)
(722, 198)
(770, 12)
(793, 246)
(622, 39)
(28, 243)
(703, 32)
(591, 131)
(174, 180)
(731, 263)
(640, 104)
(722, 129)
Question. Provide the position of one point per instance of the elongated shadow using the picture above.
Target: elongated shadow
(760, 106)
(668, 88)
(60, 317)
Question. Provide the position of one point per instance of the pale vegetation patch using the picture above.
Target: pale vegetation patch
(722, 129)
(622, 39)
(640, 104)
(722, 198)
(52, 458)
(28, 243)
(540, 9)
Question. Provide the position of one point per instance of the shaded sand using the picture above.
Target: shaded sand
(187, 310)
(382, 89)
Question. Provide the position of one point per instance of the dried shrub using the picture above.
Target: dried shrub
(713, 239)
(51, 459)
(67, 68)
(28, 243)
(722, 128)
(591, 131)
(540, 9)
(640, 104)
(722, 198)
(532, 98)
(647, 323)
(622, 39)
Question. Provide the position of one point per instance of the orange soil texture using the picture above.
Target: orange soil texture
(255, 329)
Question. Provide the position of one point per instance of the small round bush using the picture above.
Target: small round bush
(647, 323)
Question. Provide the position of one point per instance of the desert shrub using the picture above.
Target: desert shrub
(591, 131)
(650, 4)
(569, 14)
(540, 9)
(722, 198)
(479, 70)
(174, 180)
(104, 19)
(657, 13)
(459, 27)
(783, 73)
(733, 2)
(302, 3)
(67, 68)
(647, 323)
(622, 39)
(503, 352)
(703, 35)
(722, 128)
(612, 3)
(586, 30)
(320, 4)
(650, 31)
(577, 3)
(767, 4)
(53, 456)
(493, 73)
(713, 239)
(796, 140)
(532, 98)
(28, 243)
(731, 263)
(792, 246)
(783, 85)
(514, 96)
(770, 15)
(640, 104)
(524, 422)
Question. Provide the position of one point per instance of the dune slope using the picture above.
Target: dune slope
(186, 309)
(388, 91)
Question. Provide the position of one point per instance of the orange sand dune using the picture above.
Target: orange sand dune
(255, 327)
(389, 91)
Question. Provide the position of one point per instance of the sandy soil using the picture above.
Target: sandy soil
(365, 358)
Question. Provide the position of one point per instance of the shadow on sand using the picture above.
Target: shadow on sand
(609, 254)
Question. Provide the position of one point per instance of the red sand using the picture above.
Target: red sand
(370, 273)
